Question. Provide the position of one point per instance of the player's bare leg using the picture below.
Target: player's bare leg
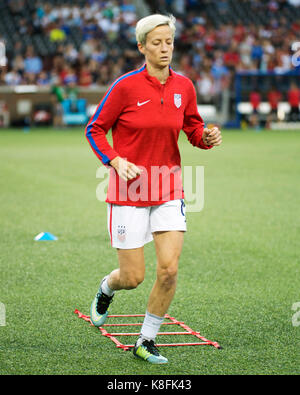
(168, 247)
(129, 275)
(131, 270)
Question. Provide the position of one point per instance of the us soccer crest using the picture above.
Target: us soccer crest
(121, 232)
(177, 99)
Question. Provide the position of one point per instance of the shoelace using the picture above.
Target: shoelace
(151, 347)
(103, 302)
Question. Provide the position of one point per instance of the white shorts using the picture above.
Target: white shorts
(132, 226)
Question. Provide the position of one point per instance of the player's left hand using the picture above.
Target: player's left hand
(212, 136)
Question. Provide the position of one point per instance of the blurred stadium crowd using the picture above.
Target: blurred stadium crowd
(92, 42)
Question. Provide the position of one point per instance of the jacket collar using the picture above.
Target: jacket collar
(154, 80)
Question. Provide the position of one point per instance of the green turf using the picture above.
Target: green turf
(239, 271)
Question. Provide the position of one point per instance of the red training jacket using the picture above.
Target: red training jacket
(146, 118)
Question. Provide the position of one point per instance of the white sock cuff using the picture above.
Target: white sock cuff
(151, 326)
(105, 288)
(154, 317)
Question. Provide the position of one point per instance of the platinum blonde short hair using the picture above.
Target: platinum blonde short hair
(145, 25)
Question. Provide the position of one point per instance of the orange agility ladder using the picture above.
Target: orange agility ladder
(171, 321)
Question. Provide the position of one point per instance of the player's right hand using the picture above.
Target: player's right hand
(125, 169)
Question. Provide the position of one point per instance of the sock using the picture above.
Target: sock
(151, 326)
(105, 288)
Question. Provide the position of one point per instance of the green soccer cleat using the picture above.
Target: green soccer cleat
(100, 307)
(146, 350)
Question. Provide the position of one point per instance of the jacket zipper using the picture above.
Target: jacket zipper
(162, 94)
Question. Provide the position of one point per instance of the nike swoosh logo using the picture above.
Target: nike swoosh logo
(141, 104)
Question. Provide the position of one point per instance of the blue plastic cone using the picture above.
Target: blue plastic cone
(45, 236)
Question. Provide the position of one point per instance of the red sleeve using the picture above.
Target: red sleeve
(101, 122)
(193, 124)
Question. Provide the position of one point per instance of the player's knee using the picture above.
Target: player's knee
(133, 281)
(167, 276)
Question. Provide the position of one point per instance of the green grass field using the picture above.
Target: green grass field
(239, 272)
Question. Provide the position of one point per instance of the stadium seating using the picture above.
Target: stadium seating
(77, 117)
(215, 41)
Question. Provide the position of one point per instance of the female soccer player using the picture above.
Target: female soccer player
(146, 109)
